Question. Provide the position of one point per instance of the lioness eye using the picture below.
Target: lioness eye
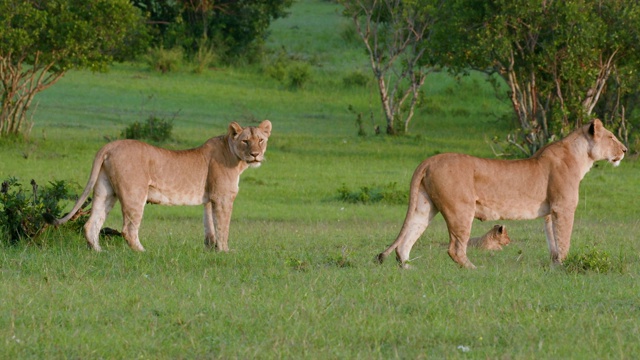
(246, 142)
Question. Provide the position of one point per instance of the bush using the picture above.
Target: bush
(594, 260)
(292, 71)
(21, 212)
(154, 129)
(367, 195)
(298, 75)
(163, 60)
(206, 56)
(356, 78)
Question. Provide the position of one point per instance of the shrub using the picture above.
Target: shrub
(593, 260)
(154, 129)
(205, 57)
(163, 60)
(298, 75)
(289, 69)
(21, 212)
(356, 78)
(367, 195)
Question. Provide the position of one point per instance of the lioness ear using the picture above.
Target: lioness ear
(595, 126)
(265, 126)
(234, 129)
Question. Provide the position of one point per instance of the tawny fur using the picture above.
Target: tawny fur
(136, 173)
(492, 240)
(464, 187)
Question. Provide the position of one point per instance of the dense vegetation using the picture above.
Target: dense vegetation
(300, 281)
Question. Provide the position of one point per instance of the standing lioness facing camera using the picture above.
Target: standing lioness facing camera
(464, 187)
(136, 173)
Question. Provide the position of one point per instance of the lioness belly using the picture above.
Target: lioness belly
(157, 196)
(510, 211)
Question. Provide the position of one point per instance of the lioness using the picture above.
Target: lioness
(137, 173)
(464, 187)
(493, 239)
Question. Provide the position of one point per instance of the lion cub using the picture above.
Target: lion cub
(493, 239)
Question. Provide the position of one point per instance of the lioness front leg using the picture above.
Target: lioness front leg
(561, 227)
(209, 228)
(222, 209)
(551, 239)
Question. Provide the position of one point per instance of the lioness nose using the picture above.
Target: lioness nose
(255, 154)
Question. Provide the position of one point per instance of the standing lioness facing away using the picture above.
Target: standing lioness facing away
(137, 173)
(464, 187)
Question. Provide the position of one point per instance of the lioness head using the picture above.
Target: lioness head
(249, 143)
(604, 145)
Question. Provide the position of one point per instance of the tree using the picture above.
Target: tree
(395, 34)
(236, 29)
(41, 40)
(556, 57)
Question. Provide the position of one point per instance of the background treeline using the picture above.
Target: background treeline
(560, 63)
(230, 29)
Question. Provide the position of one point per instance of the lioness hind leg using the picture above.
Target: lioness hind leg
(103, 201)
(419, 215)
(459, 233)
(131, 219)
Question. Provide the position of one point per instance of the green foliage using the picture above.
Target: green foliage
(373, 194)
(154, 129)
(164, 60)
(289, 70)
(593, 260)
(236, 28)
(42, 40)
(21, 211)
(356, 78)
(557, 58)
(396, 37)
(206, 56)
(69, 34)
(298, 75)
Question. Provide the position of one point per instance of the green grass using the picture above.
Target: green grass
(300, 281)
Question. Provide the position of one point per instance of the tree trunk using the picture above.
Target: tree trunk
(18, 88)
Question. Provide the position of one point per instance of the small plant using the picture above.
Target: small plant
(154, 129)
(288, 69)
(298, 75)
(298, 264)
(341, 260)
(356, 78)
(593, 260)
(368, 195)
(21, 211)
(205, 57)
(164, 60)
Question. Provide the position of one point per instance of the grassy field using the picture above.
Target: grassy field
(300, 281)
